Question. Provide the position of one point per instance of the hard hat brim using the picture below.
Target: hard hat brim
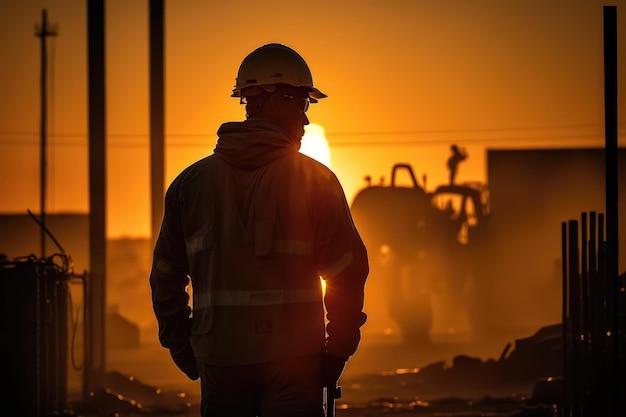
(314, 93)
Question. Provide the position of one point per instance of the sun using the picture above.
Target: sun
(315, 145)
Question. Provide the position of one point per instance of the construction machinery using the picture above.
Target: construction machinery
(423, 247)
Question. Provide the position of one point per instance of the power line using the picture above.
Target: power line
(439, 141)
(462, 131)
(356, 133)
(425, 137)
(346, 144)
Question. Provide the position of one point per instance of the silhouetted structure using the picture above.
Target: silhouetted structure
(34, 334)
(594, 307)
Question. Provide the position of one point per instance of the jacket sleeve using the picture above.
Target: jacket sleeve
(343, 262)
(169, 278)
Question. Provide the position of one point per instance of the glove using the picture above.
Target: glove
(332, 368)
(185, 360)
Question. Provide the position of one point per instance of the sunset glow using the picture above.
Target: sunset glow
(315, 145)
(404, 80)
(471, 83)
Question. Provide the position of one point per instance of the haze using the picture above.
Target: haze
(405, 80)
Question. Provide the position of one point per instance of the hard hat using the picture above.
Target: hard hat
(272, 64)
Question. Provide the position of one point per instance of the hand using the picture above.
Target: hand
(332, 368)
(185, 360)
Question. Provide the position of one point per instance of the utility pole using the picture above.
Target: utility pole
(43, 32)
(157, 115)
(95, 356)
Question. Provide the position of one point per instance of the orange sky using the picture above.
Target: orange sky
(405, 80)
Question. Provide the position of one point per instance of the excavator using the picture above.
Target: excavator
(423, 247)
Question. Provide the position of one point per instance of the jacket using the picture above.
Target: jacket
(253, 227)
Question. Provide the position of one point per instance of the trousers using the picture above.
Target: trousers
(286, 388)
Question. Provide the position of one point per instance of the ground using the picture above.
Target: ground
(381, 379)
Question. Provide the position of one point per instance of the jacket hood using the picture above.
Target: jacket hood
(252, 143)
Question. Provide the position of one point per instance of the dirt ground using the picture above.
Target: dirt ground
(381, 379)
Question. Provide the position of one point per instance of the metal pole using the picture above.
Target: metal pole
(157, 115)
(575, 318)
(566, 323)
(95, 359)
(43, 32)
(612, 231)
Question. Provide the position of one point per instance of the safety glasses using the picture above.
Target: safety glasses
(304, 101)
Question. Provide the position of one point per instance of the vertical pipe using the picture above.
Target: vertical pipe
(604, 385)
(584, 277)
(575, 318)
(95, 368)
(595, 309)
(584, 307)
(612, 227)
(157, 115)
(566, 325)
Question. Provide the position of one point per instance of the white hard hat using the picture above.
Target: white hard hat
(272, 64)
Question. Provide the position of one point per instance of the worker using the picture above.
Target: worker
(252, 228)
(458, 155)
